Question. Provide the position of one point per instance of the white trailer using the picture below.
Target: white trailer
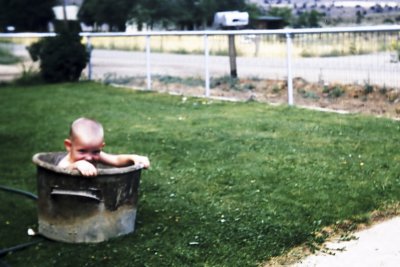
(230, 19)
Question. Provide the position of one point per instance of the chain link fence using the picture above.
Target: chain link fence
(297, 65)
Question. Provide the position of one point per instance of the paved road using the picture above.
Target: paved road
(373, 69)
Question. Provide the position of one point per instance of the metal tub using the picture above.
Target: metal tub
(75, 209)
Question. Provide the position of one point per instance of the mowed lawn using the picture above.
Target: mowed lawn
(231, 184)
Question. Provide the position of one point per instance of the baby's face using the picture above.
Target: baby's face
(86, 150)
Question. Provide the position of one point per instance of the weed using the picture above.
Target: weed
(325, 89)
(306, 53)
(336, 92)
(167, 79)
(392, 96)
(113, 78)
(181, 51)
(219, 53)
(193, 82)
(301, 91)
(383, 90)
(232, 83)
(368, 88)
(29, 76)
(190, 81)
(310, 95)
(255, 79)
(332, 53)
(248, 86)
(6, 56)
(353, 48)
(276, 89)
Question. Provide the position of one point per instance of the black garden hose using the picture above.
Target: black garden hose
(5, 251)
(18, 191)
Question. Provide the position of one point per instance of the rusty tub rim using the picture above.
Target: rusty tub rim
(100, 171)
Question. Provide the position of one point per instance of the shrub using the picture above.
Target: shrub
(62, 58)
(336, 92)
(333, 92)
(249, 86)
(276, 89)
(232, 83)
(310, 95)
(368, 88)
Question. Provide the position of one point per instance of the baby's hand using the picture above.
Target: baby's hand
(141, 160)
(85, 168)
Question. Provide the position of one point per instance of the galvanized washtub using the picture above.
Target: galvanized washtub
(75, 209)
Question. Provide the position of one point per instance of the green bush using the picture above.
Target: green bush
(336, 92)
(62, 58)
(368, 88)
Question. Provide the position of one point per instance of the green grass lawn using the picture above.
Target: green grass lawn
(231, 184)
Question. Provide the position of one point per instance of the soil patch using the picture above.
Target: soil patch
(365, 98)
(353, 98)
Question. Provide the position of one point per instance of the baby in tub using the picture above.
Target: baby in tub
(84, 149)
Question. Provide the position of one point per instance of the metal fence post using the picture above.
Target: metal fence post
(89, 51)
(148, 71)
(206, 66)
(289, 68)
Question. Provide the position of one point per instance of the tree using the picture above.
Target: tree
(115, 13)
(359, 17)
(206, 8)
(87, 12)
(26, 15)
(191, 14)
(284, 12)
(253, 10)
(185, 14)
(152, 12)
(225, 5)
(308, 19)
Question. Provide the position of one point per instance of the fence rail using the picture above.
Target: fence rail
(293, 39)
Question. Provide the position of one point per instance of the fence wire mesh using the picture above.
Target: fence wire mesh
(325, 64)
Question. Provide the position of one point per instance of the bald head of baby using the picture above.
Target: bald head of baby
(86, 130)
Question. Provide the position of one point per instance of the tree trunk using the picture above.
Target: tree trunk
(232, 55)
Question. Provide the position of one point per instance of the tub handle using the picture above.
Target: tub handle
(77, 193)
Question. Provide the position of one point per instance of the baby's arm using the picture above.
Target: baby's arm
(124, 160)
(84, 167)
